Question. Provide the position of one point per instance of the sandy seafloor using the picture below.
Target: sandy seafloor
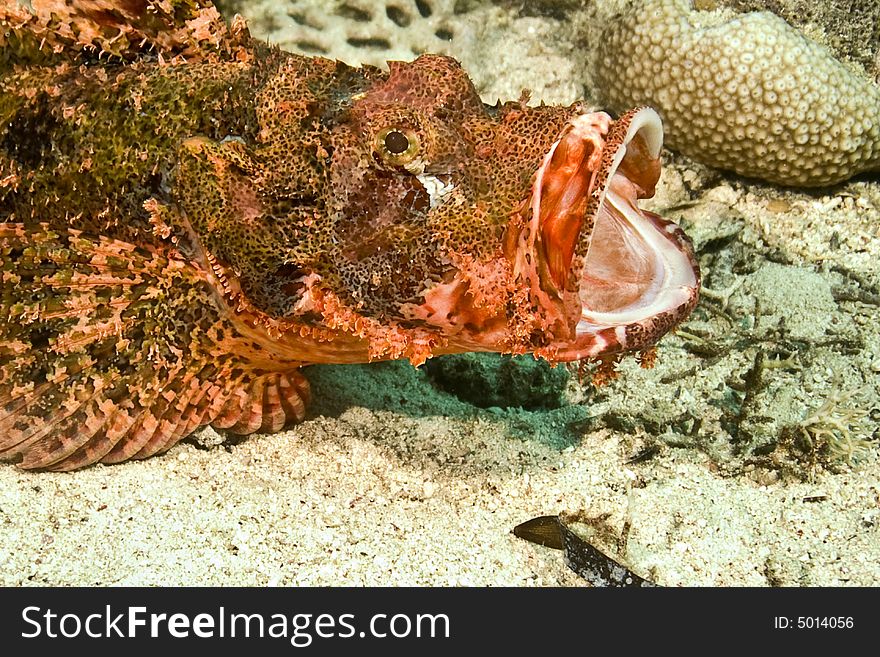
(392, 481)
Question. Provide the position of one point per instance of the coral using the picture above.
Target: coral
(355, 31)
(851, 28)
(749, 94)
(833, 431)
(506, 46)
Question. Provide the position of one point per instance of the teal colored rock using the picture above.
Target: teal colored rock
(488, 380)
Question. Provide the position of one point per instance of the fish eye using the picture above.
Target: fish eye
(397, 146)
(396, 142)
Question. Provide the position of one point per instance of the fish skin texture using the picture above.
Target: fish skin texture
(189, 216)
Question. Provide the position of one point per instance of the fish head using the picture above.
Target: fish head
(504, 228)
(388, 215)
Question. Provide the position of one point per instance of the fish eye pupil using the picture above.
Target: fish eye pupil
(396, 142)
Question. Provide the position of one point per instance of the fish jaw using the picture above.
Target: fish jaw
(621, 313)
(584, 273)
(616, 278)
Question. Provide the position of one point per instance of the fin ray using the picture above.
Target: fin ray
(107, 353)
(76, 29)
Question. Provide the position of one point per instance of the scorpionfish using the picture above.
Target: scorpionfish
(189, 216)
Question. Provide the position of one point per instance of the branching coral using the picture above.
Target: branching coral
(836, 429)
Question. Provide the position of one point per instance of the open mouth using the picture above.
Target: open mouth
(621, 275)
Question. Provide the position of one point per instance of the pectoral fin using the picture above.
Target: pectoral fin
(110, 351)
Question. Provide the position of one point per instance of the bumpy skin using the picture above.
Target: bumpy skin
(751, 95)
(188, 216)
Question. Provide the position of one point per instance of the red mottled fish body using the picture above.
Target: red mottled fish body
(188, 217)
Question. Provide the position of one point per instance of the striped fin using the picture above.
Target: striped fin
(110, 351)
(54, 30)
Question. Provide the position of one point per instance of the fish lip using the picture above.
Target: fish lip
(622, 167)
(565, 192)
(637, 326)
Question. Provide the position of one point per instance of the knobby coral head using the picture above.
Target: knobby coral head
(438, 224)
